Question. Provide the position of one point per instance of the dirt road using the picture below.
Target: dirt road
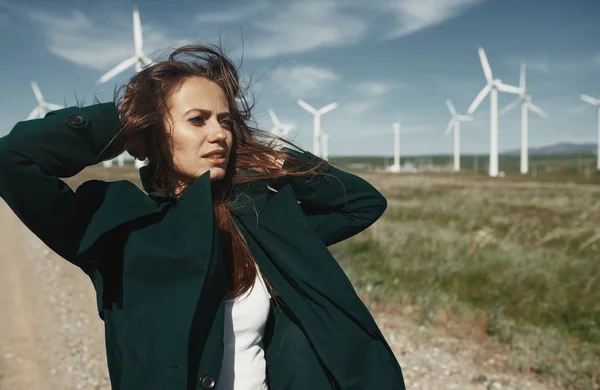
(51, 337)
(50, 334)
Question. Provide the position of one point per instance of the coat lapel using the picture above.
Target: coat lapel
(123, 202)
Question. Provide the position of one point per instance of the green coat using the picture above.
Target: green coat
(155, 261)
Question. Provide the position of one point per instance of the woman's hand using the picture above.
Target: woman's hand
(277, 161)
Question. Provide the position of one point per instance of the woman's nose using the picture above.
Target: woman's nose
(217, 132)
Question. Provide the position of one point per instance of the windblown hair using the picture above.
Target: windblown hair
(144, 105)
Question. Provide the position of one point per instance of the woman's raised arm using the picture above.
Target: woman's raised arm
(338, 204)
(37, 153)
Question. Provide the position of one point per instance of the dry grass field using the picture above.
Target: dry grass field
(511, 265)
(516, 261)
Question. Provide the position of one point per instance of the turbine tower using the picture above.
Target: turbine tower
(595, 102)
(139, 59)
(492, 87)
(455, 123)
(43, 107)
(525, 101)
(317, 122)
(396, 166)
(325, 146)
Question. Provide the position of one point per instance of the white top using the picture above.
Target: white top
(244, 365)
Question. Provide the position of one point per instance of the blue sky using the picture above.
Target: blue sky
(378, 59)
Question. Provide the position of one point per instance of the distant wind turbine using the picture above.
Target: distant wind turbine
(455, 124)
(279, 129)
(396, 166)
(139, 59)
(492, 87)
(317, 122)
(525, 101)
(43, 107)
(595, 102)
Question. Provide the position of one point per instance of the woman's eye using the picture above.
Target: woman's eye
(228, 123)
(197, 120)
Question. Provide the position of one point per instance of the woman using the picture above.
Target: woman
(218, 275)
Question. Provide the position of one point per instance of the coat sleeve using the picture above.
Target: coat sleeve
(37, 153)
(337, 204)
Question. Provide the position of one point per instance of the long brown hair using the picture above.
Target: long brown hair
(142, 108)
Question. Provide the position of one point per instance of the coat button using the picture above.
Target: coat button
(76, 120)
(207, 382)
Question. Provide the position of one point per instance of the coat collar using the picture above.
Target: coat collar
(123, 201)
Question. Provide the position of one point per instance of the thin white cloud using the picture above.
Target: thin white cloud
(233, 14)
(300, 80)
(358, 107)
(96, 41)
(416, 15)
(548, 66)
(540, 66)
(372, 88)
(302, 26)
(298, 26)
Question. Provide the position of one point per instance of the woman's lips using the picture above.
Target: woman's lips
(216, 160)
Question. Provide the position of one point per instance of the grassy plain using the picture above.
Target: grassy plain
(514, 259)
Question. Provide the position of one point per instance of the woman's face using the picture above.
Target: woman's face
(201, 129)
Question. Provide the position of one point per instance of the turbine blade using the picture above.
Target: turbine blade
(147, 61)
(487, 70)
(117, 69)
(327, 108)
(509, 88)
(451, 107)
(449, 127)
(274, 117)
(589, 99)
(53, 107)
(34, 113)
(37, 92)
(522, 79)
(510, 107)
(478, 99)
(307, 106)
(286, 130)
(137, 32)
(464, 118)
(537, 110)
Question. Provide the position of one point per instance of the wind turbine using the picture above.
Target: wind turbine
(396, 166)
(325, 146)
(279, 129)
(492, 87)
(139, 59)
(317, 122)
(595, 102)
(455, 123)
(42, 107)
(525, 101)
